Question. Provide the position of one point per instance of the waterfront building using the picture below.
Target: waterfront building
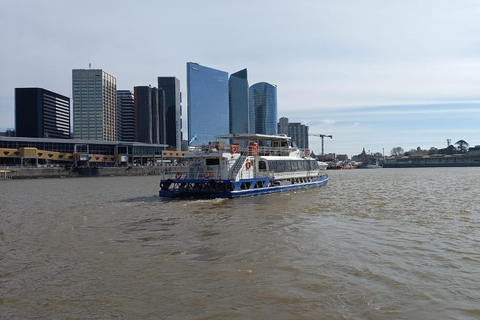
(94, 104)
(238, 102)
(149, 114)
(125, 115)
(41, 113)
(172, 112)
(263, 108)
(207, 102)
(34, 152)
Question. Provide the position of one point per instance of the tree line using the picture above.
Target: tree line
(461, 146)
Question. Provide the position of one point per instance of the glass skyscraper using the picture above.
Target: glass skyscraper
(149, 114)
(172, 111)
(207, 103)
(263, 108)
(238, 102)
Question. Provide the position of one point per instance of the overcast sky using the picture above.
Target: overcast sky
(376, 74)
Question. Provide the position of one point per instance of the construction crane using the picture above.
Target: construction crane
(322, 136)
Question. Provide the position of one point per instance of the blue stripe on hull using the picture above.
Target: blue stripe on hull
(317, 182)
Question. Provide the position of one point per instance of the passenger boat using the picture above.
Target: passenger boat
(265, 164)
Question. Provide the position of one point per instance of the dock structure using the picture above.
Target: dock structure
(35, 152)
(5, 175)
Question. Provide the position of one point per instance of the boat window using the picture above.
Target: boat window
(302, 165)
(262, 165)
(288, 165)
(294, 165)
(213, 162)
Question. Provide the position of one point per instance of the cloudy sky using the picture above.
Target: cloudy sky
(376, 74)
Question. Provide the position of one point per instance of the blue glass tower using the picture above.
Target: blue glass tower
(263, 108)
(207, 103)
(238, 102)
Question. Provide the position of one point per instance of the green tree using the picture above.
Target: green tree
(432, 150)
(448, 150)
(397, 151)
(462, 146)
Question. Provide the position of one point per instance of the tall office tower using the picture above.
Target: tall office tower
(238, 102)
(40, 113)
(143, 114)
(125, 115)
(299, 134)
(149, 119)
(94, 105)
(297, 131)
(282, 127)
(172, 111)
(155, 115)
(263, 108)
(207, 102)
(162, 120)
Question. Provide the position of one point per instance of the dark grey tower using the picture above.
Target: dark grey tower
(238, 102)
(143, 114)
(125, 115)
(173, 111)
(40, 113)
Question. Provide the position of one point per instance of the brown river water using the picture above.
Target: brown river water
(372, 244)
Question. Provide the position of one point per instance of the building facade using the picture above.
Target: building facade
(282, 126)
(238, 102)
(94, 105)
(207, 103)
(295, 130)
(149, 115)
(172, 111)
(263, 108)
(125, 115)
(299, 134)
(40, 113)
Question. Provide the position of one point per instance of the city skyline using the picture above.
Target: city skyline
(375, 75)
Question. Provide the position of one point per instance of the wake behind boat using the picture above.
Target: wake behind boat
(266, 164)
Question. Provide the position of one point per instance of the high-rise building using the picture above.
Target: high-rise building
(207, 102)
(40, 113)
(297, 131)
(299, 134)
(172, 112)
(263, 108)
(238, 102)
(125, 116)
(162, 119)
(94, 105)
(282, 126)
(149, 115)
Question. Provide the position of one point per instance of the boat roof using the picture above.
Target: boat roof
(253, 136)
(271, 158)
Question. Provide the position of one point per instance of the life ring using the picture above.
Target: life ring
(207, 174)
(248, 165)
(178, 175)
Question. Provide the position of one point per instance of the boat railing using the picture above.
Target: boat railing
(195, 172)
(273, 151)
(238, 164)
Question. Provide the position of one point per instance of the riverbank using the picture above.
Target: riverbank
(61, 172)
